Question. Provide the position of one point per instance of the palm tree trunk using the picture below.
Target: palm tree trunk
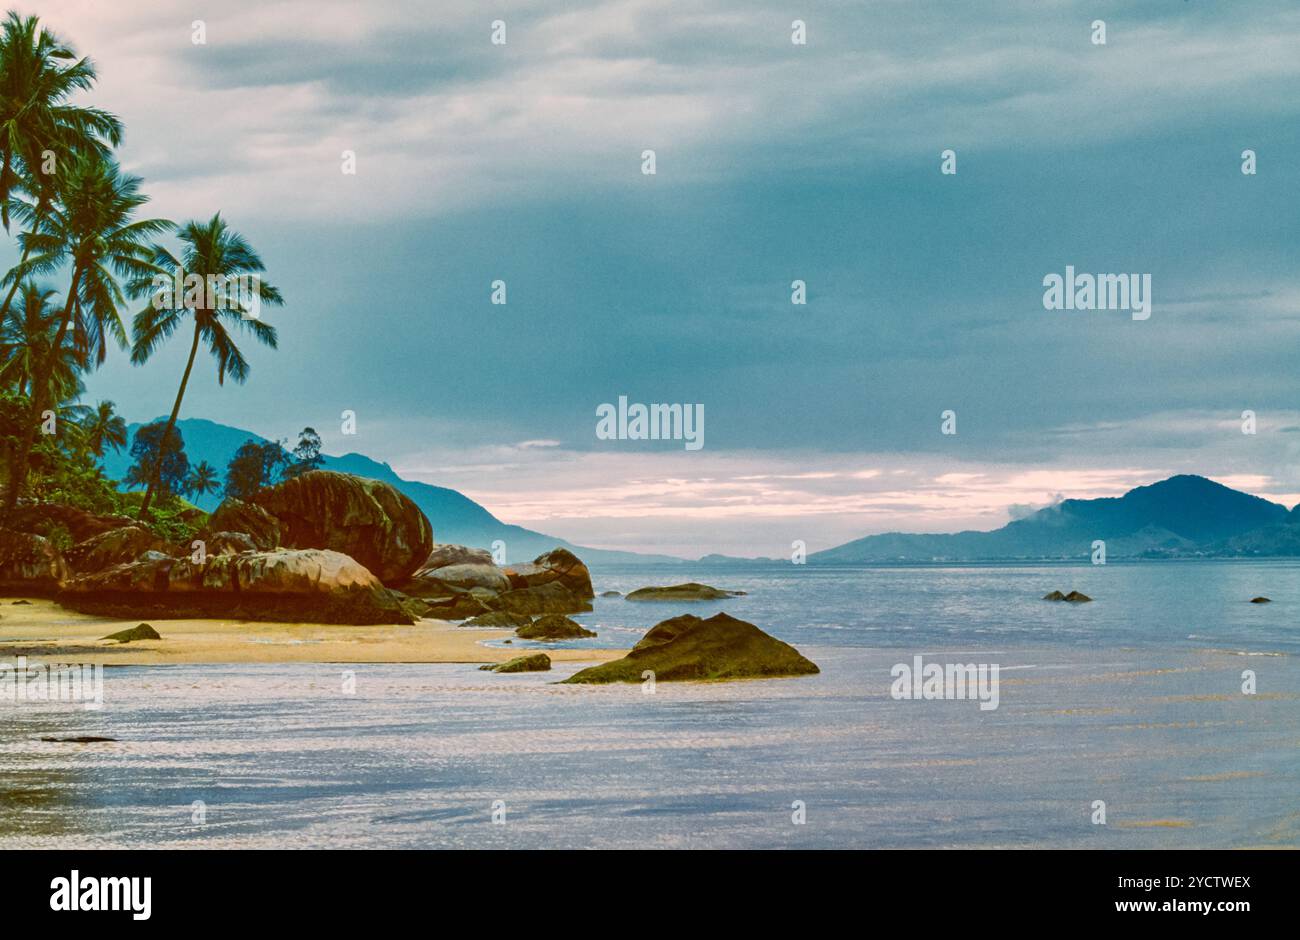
(156, 478)
(40, 382)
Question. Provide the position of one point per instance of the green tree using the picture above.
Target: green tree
(159, 452)
(202, 480)
(103, 427)
(253, 467)
(39, 128)
(90, 229)
(306, 455)
(27, 336)
(228, 292)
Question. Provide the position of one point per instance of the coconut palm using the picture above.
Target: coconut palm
(202, 479)
(229, 271)
(27, 335)
(90, 229)
(103, 428)
(38, 74)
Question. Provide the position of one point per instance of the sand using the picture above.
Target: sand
(43, 630)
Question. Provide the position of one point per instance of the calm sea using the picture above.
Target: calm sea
(1134, 700)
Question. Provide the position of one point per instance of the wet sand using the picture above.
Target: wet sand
(43, 630)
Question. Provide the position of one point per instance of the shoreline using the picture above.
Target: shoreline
(42, 629)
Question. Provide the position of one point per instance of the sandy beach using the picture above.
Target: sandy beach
(43, 629)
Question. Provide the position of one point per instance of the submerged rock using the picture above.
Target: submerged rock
(1074, 597)
(553, 627)
(141, 632)
(1261, 600)
(365, 519)
(79, 739)
(688, 647)
(610, 594)
(537, 662)
(691, 591)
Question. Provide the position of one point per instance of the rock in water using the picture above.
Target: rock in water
(1054, 596)
(365, 519)
(610, 594)
(550, 598)
(688, 647)
(1261, 600)
(142, 632)
(303, 585)
(1077, 597)
(30, 564)
(553, 627)
(538, 662)
(691, 591)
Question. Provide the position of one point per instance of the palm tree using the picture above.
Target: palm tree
(38, 74)
(202, 479)
(230, 271)
(27, 335)
(103, 428)
(90, 228)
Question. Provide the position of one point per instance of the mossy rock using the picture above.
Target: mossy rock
(688, 647)
(691, 591)
(141, 632)
(553, 627)
(536, 662)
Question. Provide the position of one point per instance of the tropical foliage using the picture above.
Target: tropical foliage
(86, 247)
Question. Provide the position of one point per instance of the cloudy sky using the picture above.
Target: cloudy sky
(775, 162)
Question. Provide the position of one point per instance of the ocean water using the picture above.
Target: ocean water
(1134, 700)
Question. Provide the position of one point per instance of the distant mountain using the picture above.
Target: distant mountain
(1184, 515)
(455, 517)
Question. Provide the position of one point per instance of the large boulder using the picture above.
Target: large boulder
(690, 591)
(550, 598)
(455, 579)
(688, 647)
(113, 547)
(366, 519)
(553, 627)
(444, 555)
(559, 564)
(235, 515)
(30, 564)
(300, 585)
(79, 524)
